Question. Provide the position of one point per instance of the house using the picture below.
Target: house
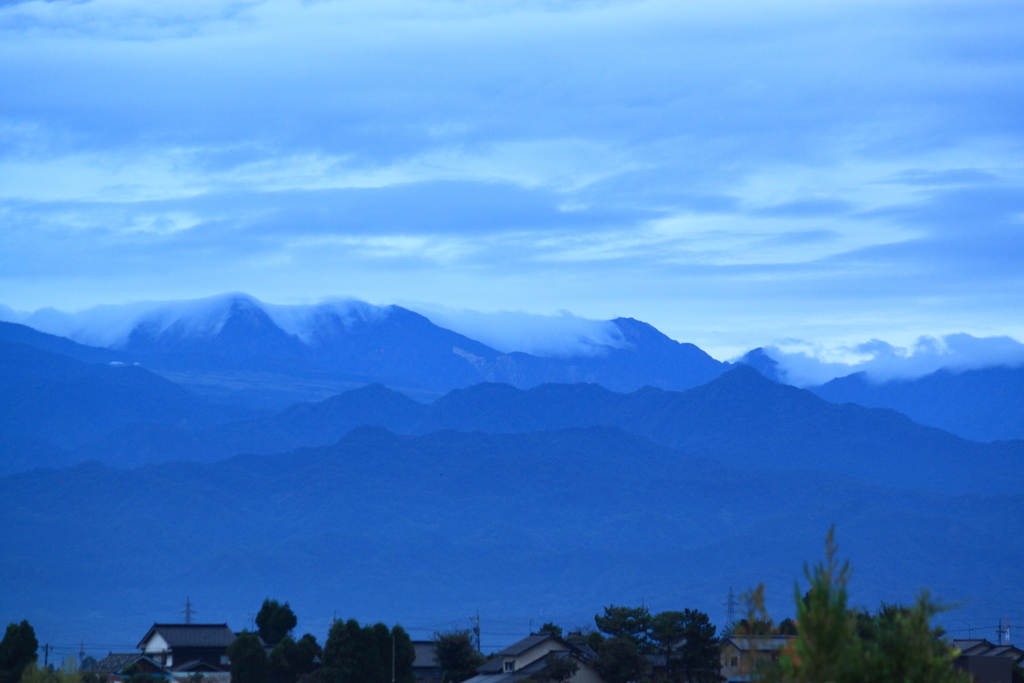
(187, 649)
(742, 654)
(425, 667)
(114, 665)
(530, 656)
(986, 662)
(982, 648)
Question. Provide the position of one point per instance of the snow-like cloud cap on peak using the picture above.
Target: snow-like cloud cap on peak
(110, 326)
(551, 336)
(803, 364)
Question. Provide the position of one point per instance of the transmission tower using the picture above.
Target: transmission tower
(730, 605)
(188, 611)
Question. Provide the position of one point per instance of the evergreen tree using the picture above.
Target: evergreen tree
(629, 623)
(405, 656)
(307, 650)
(844, 645)
(620, 661)
(687, 641)
(557, 669)
(456, 656)
(274, 621)
(17, 651)
(553, 629)
(283, 662)
(248, 659)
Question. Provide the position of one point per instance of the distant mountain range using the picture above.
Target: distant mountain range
(234, 349)
(230, 348)
(666, 476)
(740, 418)
(428, 529)
(984, 405)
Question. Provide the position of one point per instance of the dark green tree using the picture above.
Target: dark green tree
(905, 647)
(553, 629)
(787, 627)
(629, 623)
(283, 662)
(456, 656)
(1017, 675)
(687, 641)
(274, 621)
(594, 640)
(557, 669)
(837, 643)
(308, 650)
(337, 654)
(355, 654)
(248, 659)
(17, 651)
(620, 661)
(405, 655)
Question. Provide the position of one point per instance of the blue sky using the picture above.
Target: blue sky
(804, 174)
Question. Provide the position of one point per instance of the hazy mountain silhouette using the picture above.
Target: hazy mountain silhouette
(50, 402)
(429, 528)
(740, 418)
(984, 405)
(14, 333)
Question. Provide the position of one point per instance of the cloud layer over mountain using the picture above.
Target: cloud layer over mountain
(731, 173)
(882, 361)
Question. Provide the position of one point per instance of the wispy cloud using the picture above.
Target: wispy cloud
(735, 172)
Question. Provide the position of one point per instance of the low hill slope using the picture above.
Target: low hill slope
(50, 402)
(426, 529)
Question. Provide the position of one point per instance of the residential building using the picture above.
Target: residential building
(986, 662)
(742, 654)
(425, 667)
(529, 657)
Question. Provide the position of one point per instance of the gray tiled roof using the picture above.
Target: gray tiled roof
(759, 643)
(192, 635)
(525, 644)
(115, 662)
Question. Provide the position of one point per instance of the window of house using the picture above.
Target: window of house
(735, 661)
(510, 666)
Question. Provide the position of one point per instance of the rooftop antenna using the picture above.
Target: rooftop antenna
(188, 611)
(730, 604)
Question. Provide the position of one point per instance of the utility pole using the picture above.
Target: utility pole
(730, 604)
(476, 629)
(81, 653)
(999, 632)
(46, 655)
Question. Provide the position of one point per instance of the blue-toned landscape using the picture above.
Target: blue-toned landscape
(500, 341)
